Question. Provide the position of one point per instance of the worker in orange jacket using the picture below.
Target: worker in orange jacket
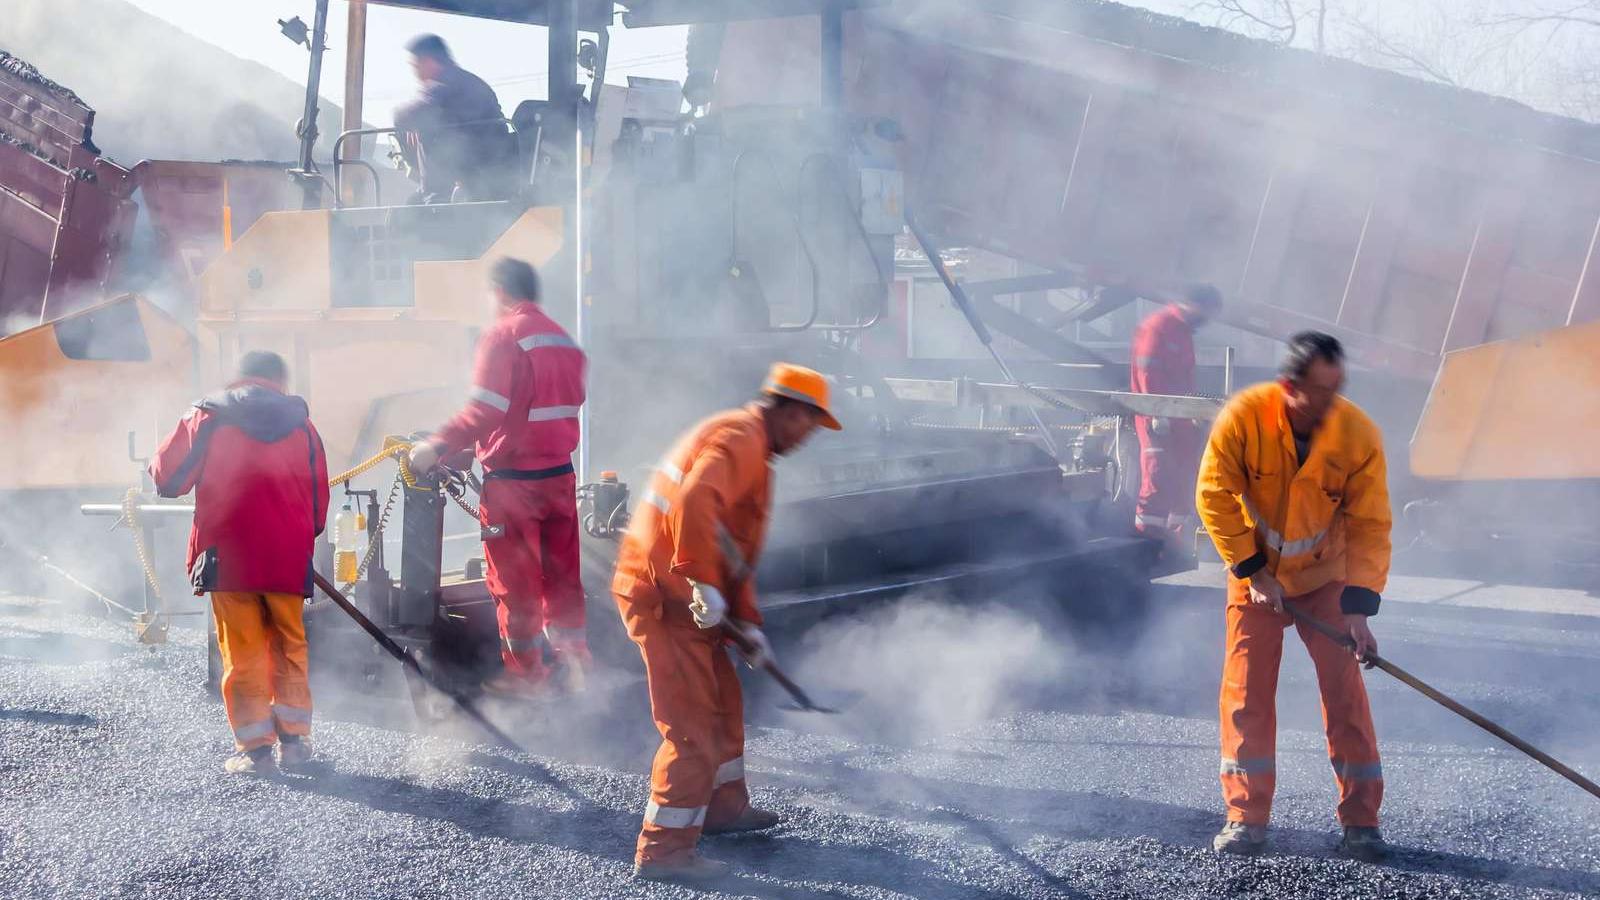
(1169, 449)
(683, 574)
(1293, 491)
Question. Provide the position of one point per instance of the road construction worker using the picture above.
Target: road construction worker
(260, 477)
(453, 136)
(1169, 449)
(1293, 491)
(684, 574)
(522, 416)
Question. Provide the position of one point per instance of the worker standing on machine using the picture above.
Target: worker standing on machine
(1293, 490)
(522, 415)
(260, 477)
(684, 573)
(1169, 449)
(453, 136)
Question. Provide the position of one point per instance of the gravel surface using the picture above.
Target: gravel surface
(986, 758)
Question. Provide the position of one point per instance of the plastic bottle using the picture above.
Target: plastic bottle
(346, 543)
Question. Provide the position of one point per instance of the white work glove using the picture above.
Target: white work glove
(708, 606)
(760, 653)
(423, 457)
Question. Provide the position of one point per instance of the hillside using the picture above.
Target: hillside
(157, 91)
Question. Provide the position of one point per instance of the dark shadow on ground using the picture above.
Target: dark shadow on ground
(1025, 814)
(45, 717)
(589, 827)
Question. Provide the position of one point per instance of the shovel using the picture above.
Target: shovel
(409, 661)
(802, 701)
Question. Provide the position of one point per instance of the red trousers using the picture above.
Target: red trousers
(530, 545)
(1169, 461)
(698, 776)
(1250, 714)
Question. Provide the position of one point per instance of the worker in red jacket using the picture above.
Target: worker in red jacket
(260, 477)
(522, 414)
(1169, 449)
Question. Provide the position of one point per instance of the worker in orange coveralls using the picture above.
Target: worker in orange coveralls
(683, 574)
(260, 477)
(522, 414)
(1169, 449)
(1293, 490)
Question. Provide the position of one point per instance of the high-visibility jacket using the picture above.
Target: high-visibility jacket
(527, 390)
(260, 478)
(1309, 524)
(704, 517)
(1163, 354)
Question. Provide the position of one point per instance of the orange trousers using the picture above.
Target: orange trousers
(698, 776)
(1250, 714)
(264, 684)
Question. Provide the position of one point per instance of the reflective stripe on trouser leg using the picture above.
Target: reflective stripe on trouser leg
(245, 644)
(730, 797)
(687, 695)
(1248, 707)
(291, 686)
(513, 576)
(1346, 714)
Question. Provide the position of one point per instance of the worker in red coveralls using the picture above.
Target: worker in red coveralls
(260, 482)
(1169, 449)
(522, 414)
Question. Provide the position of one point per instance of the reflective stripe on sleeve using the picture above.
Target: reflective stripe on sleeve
(286, 713)
(674, 816)
(551, 413)
(732, 770)
(658, 501)
(489, 398)
(536, 341)
(673, 473)
(1257, 766)
(737, 566)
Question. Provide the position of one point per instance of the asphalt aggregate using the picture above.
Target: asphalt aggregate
(982, 752)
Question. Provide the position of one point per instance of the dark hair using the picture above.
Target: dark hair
(1203, 296)
(429, 45)
(265, 365)
(516, 278)
(1306, 348)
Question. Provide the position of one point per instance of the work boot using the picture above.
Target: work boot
(1363, 843)
(751, 819)
(293, 751)
(690, 869)
(1240, 839)
(517, 687)
(251, 762)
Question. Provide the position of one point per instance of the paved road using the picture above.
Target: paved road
(988, 757)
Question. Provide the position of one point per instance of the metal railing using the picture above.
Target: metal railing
(339, 161)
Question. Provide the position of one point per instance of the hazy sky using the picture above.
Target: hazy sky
(510, 57)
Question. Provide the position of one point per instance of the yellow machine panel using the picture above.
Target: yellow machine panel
(1522, 409)
(273, 291)
(74, 389)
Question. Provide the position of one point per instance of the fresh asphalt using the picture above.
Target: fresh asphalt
(980, 755)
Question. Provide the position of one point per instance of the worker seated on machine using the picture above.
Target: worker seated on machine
(453, 137)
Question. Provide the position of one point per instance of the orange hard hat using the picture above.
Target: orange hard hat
(803, 384)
